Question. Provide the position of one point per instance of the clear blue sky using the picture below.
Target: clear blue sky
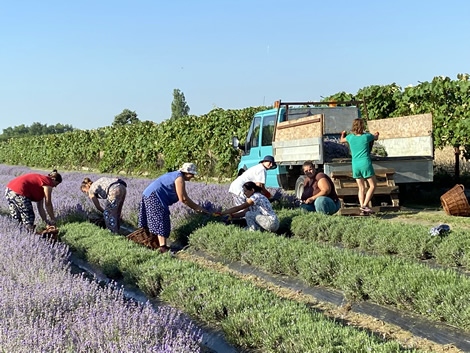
(83, 62)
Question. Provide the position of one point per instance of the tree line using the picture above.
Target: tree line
(35, 129)
(136, 146)
(179, 109)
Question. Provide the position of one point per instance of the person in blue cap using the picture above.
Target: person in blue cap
(256, 174)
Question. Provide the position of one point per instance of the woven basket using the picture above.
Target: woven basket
(455, 202)
(143, 236)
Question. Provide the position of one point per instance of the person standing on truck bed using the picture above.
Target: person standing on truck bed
(256, 174)
(319, 192)
(359, 144)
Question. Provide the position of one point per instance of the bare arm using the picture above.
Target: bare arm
(325, 189)
(97, 204)
(48, 204)
(243, 207)
(343, 137)
(41, 211)
(184, 198)
(264, 191)
(376, 136)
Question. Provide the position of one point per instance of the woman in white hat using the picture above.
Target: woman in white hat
(159, 196)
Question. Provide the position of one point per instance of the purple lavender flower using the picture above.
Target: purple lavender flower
(44, 308)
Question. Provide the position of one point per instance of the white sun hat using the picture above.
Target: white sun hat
(188, 168)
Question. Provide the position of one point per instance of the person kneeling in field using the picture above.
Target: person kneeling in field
(256, 209)
(319, 192)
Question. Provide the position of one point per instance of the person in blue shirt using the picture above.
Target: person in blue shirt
(163, 192)
(359, 144)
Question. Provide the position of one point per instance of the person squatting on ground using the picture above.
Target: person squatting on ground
(113, 190)
(359, 144)
(256, 209)
(256, 174)
(25, 189)
(159, 196)
(319, 193)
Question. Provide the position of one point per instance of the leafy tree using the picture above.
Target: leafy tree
(35, 129)
(179, 107)
(38, 129)
(126, 117)
(381, 101)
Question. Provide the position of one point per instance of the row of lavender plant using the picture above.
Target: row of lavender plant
(69, 200)
(44, 308)
(251, 318)
(439, 294)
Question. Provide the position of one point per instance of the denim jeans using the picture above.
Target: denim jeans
(322, 204)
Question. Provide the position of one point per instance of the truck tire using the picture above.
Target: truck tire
(299, 186)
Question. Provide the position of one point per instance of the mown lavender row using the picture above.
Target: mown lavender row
(44, 308)
(412, 241)
(251, 318)
(441, 295)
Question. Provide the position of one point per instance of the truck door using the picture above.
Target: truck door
(259, 144)
(252, 144)
(267, 148)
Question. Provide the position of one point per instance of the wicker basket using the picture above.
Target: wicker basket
(455, 202)
(143, 236)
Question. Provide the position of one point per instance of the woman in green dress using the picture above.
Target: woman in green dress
(359, 144)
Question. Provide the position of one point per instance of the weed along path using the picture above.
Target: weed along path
(381, 320)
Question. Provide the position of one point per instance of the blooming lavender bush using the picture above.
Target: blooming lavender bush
(69, 201)
(44, 308)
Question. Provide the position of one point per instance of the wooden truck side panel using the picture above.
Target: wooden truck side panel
(407, 136)
(296, 141)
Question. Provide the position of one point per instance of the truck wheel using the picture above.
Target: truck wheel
(299, 186)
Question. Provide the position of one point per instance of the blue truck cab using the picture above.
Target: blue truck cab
(261, 135)
(258, 144)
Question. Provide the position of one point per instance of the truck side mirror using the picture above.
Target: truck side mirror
(236, 143)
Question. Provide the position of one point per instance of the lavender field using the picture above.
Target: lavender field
(45, 308)
(68, 200)
(44, 303)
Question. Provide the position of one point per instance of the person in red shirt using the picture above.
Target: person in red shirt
(28, 188)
